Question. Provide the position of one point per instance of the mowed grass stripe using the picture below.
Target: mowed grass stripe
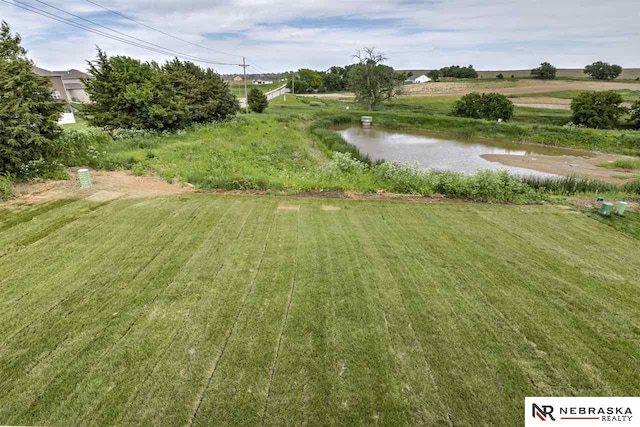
(517, 277)
(69, 282)
(242, 377)
(303, 385)
(413, 368)
(152, 332)
(32, 276)
(381, 312)
(102, 317)
(179, 380)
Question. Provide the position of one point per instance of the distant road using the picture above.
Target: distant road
(270, 95)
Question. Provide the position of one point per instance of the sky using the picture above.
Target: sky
(280, 35)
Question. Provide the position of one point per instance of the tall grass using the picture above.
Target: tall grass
(334, 142)
(570, 185)
(628, 164)
(6, 188)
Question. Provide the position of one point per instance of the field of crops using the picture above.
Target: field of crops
(247, 310)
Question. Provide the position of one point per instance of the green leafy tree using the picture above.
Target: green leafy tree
(28, 113)
(459, 72)
(545, 71)
(603, 70)
(331, 82)
(598, 109)
(434, 75)
(371, 81)
(488, 106)
(128, 93)
(635, 113)
(257, 100)
(207, 96)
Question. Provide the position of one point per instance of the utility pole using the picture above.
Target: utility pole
(293, 84)
(246, 95)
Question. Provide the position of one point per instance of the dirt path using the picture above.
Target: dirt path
(106, 186)
(567, 165)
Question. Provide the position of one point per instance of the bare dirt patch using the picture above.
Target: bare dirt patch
(282, 207)
(543, 102)
(585, 166)
(106, 186)
(330, 208)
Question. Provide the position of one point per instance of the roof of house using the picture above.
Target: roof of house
(72, 74)
(42, 72)
(66, 74)
(413, 78)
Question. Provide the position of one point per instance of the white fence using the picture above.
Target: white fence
(272, 94)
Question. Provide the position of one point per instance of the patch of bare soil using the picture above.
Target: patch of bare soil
(543, 102)
(105, 186)
(330, 208)
(585, 166)
(510, 87)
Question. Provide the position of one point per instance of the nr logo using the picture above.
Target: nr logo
(542, 412)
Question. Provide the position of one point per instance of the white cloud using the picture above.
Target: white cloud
(279, 35)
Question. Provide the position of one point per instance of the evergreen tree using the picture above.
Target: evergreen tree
(28, 112)
(127, 93)
(257, 100)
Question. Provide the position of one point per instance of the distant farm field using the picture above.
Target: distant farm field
(572, 73)
(244, 310)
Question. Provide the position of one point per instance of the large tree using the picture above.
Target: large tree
(370, 80)
(603, 70)
(598, 109)
(128, 93)
(545, 71)
(28, 113)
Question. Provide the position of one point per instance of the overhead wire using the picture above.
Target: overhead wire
(148, 46)
(160, 31)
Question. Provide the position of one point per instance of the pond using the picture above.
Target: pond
(433, 151)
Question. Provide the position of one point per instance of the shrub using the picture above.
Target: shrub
(459, 72)
(545, 71)
(6, 188)
(257, 100)
(635, 113)
(83, 147)
(128, 93)
(597, 109)
(434, 75)
(603, 70)
(28, 112)
(500, 76)
(491, 106)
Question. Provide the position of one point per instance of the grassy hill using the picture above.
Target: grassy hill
(248, 310)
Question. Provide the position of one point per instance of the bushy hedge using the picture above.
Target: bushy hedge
(488, 106)
(598, 109)
(128, 93)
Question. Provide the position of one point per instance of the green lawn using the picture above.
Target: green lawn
(245, 310)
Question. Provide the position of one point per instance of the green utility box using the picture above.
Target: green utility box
(606, 209)
(620, 207)
(85, 178)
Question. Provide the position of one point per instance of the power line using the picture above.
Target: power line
(160, 31)
(157, 49)
(115, 31)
